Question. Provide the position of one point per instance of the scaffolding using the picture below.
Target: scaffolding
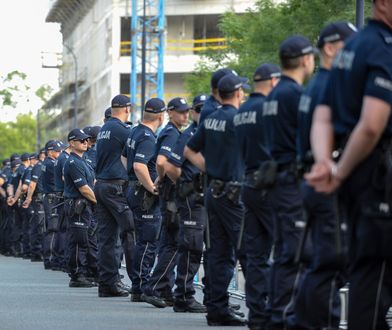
(147, 51)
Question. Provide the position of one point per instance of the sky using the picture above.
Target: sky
(23, 36)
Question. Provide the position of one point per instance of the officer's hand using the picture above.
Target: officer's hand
(26, 203)
(153, 189)
(11, 201)
(321, 179)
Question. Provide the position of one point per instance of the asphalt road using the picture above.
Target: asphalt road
(34, 298)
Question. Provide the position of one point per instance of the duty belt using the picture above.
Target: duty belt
(117, 181)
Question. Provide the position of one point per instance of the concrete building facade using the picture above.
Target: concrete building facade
(98, 33)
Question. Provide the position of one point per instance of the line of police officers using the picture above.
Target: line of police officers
(295, 184)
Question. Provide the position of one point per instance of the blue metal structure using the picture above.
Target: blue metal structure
(147, 27)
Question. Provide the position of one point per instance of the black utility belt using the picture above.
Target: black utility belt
(265, 176)
(230, 189)
(117, 181)
(38, 197)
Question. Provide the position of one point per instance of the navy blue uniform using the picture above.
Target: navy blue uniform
(91, 156)
(192, 223)
(28, 213)
(364, 68)
(258, 233)
(58, 171)
(61, 226)
(313, 306)
(162, 279)
(140, 148)
(210, 105)
(280, 115)
(19, 214)
(38, 219)
(216, 139)
(113, 213)
(82, 250)
(51, 216)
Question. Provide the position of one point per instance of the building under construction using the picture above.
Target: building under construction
(103, 50)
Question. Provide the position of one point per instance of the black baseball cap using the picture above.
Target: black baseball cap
(54, 145)
(178, 104)
(77, 134)
(25, 156)
(155, 105)
(33, 155)
(108, 113)
(295, 46)
(338, 31)
(217, 75)
(198, 102)
(231, 83)
(6, 161)
(16, 162)
(92, 131)
(267, 71)
(14, 156)
(120, 101)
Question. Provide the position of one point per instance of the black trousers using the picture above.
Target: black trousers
(370, 253)
(114, 217)
(257, 242)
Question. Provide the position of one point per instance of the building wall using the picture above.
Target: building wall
(96, 43)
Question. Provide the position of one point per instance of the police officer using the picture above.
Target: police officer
(107, 114)
(79, 198)
(258, 233)
(325, 276)
(140, 160)
(192, 217)
(3, 205)
(158, 292)
(60, 247)
(216, 139)
(91, 153)
(355, 115)
(37, 223)
(14, 224)
(25, 173)
(53, 149)
(280, 111)
(213, 102)
(113, 213)
(15, 201)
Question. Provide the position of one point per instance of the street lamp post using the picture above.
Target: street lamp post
(360, 14)
(75, 112)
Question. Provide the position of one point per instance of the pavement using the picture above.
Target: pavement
(34, 298)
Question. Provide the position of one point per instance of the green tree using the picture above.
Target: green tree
(10, 85)
(18, 136)
(254, 37)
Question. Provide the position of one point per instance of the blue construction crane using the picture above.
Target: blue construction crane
(147, 51)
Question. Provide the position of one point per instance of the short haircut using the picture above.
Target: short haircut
(226, 95)
(290, 63)
(150, 117)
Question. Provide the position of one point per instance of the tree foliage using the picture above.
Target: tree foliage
(254, 37)
(19, 136)
(10, 85)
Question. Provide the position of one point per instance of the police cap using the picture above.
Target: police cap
(295, 46)
(217, 75)
(14, 156)
(120, 101)
(108, 113)
(6, 161)
(178, 104)
(267, 71)
(198, 102)
(92, 131)
(155, 105)
(231, 83)
(33, 155)
(16, 162)
(54, 145)
(77, 134)
(25, 156)
(338, 31)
